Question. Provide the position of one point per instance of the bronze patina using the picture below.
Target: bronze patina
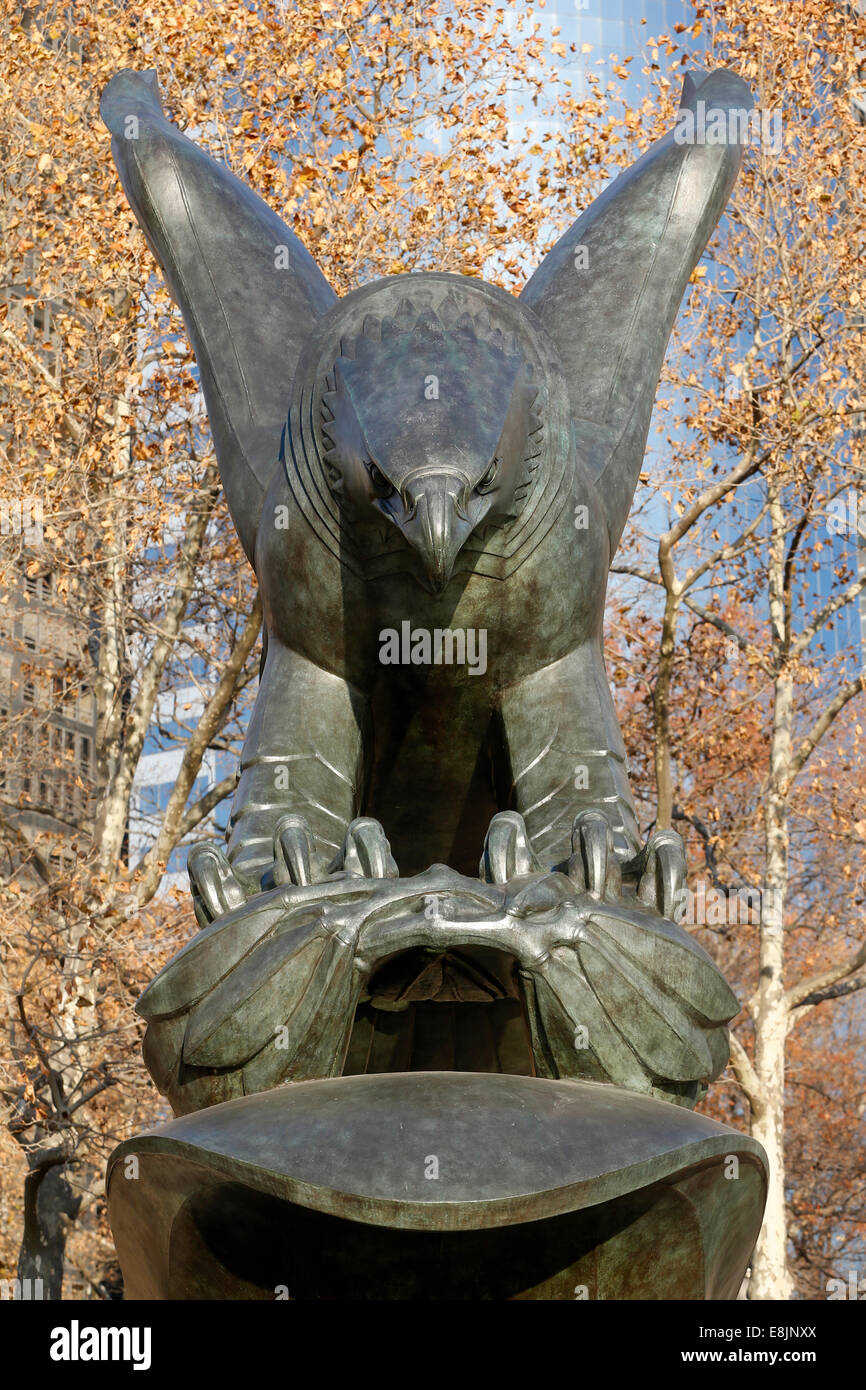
(430, 478)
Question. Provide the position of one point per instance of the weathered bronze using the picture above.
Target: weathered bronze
(430, 478)
(269, 993)
(438, 1186)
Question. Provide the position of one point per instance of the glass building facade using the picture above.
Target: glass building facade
(593, 31)
(599, 28)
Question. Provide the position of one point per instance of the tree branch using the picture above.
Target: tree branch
(819, 729)
(744, 1071)
(815, 985)
(202, 808)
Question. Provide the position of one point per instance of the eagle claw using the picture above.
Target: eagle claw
(508, 851)
(656, 874)
(366, 852)
(593, 866)
(218, 887)
(659, 870)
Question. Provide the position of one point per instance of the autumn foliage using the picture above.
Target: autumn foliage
(383, 134)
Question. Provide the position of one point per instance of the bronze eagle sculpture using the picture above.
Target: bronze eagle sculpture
(430, 478)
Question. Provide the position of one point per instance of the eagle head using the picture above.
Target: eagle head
(428, 425)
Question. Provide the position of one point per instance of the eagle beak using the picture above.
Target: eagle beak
(436, 525)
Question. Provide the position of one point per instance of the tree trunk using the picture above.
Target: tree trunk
(771, 1277)
(770, 1274)
(50, 1205)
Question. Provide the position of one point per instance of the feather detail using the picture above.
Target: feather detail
(238, 1018)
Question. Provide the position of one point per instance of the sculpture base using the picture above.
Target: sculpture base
(437, 1185)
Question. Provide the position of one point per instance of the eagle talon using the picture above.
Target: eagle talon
(366, 852)
(660, 871)
(295, 860)
(215, 888)
(508, 851)
(593, 866)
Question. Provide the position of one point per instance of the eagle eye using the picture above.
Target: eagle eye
(485, 484)
(381, 485)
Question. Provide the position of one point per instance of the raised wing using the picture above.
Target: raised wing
(610, 289)
(248, 289)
